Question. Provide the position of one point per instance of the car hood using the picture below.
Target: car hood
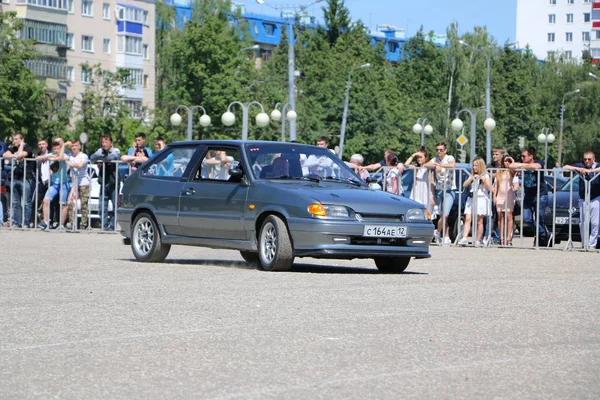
(562, 200)
(361, 200)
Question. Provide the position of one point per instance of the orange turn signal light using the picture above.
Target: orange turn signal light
(317, 209)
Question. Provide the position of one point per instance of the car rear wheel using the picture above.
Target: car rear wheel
(392, 265)
(146, 243)
(275, 251)
(250, 256)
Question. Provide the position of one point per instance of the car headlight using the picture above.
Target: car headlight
(416, 214)
(331, 211)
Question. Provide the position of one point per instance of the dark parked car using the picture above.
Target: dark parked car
(272, 202)
(567, 211)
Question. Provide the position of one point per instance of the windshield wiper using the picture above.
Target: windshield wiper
(298, 178)
(346, 180)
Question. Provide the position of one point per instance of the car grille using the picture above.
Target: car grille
(380, 218)
(362, 241)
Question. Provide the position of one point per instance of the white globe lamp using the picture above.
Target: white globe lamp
(176, 119)
(228, 118)
(262, 120)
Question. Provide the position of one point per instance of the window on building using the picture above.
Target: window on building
(255, 28)
(106, 11)
(595, 53)
(135, 76)
(44, 32)
(585, 36)
(597, 34)
(70, 42)
(570, 1)
(87, 43)
(129, 44)
(6, 1)
(56, 4)
(569, 36)
(551, 37)
(145, 81)
(145, 52)
(568, 54)
(269, 29)
(552, 2)
(569, 18)
(145, 18)
(587, 17)
(70, 6)
(87, 8)
(106, 46)
(85, 75)
(551, 18)
(550, 55)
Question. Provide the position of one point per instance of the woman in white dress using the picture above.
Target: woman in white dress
(423, 186)
(479, 203)
(393, 178)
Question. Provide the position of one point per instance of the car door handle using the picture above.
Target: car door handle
(188, 192)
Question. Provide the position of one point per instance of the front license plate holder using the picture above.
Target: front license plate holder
(385, 231)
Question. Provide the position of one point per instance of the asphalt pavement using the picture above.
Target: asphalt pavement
(79, 318)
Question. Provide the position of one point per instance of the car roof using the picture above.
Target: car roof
(238, 142)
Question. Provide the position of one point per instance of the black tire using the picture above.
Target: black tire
(146, 242)
(275, 251)
(250, 256)
(392, 265)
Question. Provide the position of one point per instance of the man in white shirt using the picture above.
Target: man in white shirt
(443, 165)
(78, 162)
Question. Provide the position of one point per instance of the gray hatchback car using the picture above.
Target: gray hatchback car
(272, 202)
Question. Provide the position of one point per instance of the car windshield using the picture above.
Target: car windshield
(574, 183)
(293, 162)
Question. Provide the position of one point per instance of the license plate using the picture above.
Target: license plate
(565, 221)
(385, 231)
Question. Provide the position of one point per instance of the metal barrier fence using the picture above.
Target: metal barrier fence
(534, 215)
(25, 184)
(23, 189)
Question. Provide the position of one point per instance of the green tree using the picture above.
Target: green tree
(337, 19)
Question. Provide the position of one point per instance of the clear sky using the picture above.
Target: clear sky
(499, 16)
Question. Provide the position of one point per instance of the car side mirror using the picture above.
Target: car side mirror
(236, 172)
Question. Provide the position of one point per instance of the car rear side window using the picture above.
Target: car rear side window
(171, 164)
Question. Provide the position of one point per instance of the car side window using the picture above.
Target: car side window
(216, 163)
(171, 164)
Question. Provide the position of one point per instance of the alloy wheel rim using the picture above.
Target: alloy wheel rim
(144, 236)
(269, 243)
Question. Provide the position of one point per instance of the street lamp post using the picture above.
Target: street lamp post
(276, 116)
(255, 47)
(176, 118)
(562, 124)
(228, 118)
(457, 124)
(488, 112)
(291, 67)
(423, 129)
(346, 101)
(545, 137)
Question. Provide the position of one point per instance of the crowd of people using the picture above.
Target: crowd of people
(50, 182)
(57, 178)
(493, 191)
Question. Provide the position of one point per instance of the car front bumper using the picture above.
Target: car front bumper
(345, 239)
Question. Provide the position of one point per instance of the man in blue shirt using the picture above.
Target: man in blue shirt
(589, 171)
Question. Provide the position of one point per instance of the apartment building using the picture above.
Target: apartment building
(116, 35)
(72, 33)
(565, 28)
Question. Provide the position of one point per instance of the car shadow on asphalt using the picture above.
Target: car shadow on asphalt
(297, 267)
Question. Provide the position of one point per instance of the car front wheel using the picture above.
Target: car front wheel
(275, 251)
(146, 242)
(392, 265)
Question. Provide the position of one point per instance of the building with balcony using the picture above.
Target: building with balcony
(117, 34)
(564, 28)
(266, 30)
(68, 34)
